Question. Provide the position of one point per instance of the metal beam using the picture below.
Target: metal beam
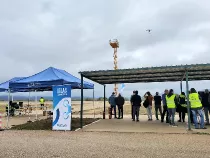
(148, 75)
(188, 103)
(152, 77)
(81, 107)
(149, 81)
(117, 74)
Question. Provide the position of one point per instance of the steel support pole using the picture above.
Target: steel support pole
(29, 107)
(181, 86)
(36, 104)
(81, 108)
(104, 112)
(8, 113)
(94, 102)
(188, 103)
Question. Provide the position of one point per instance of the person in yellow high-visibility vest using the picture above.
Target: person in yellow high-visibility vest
(196, 108)
(41, 100)
(171, 105)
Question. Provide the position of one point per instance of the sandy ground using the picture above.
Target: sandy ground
(91, 110)
(89, 107)
(49, 144)
(104, 139)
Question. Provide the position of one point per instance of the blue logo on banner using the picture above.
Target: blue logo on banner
(57, 117)
(66, 114)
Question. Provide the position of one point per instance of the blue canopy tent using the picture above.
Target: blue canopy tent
(44, 80)
(4, 87)
(47, 78)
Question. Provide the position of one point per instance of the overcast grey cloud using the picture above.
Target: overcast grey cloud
(74, 35)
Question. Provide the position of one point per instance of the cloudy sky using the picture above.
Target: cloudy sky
(74, 35)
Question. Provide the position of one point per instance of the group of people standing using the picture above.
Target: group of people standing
(178, 103)
(118, 101)
(171, 102)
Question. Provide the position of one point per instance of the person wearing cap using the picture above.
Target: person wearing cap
(206, 105)
(112, 103)
(136, 103)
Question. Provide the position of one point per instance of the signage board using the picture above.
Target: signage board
(61, 107)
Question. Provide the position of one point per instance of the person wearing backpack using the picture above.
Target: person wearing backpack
(149, 100)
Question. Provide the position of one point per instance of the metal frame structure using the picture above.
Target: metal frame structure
(115, 44)
(145, 75)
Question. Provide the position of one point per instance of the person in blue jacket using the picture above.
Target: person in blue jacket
(112, 102)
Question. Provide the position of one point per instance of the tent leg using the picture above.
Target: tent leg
(93, 103)
(81, 108)
(104, 112)
(29, 118)
(36, 105)
(8, 109)
(188, 103)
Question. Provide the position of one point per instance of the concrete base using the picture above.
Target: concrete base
(145, 126)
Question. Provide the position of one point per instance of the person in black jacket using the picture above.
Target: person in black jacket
(136, 103)
(165, 109)
(206, 105)
(182, 107)
(132, 105)
(120, 101)
(157, 99)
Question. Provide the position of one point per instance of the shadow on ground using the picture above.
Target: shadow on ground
(46, 124)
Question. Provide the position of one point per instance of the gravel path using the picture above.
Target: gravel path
(38, 144)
